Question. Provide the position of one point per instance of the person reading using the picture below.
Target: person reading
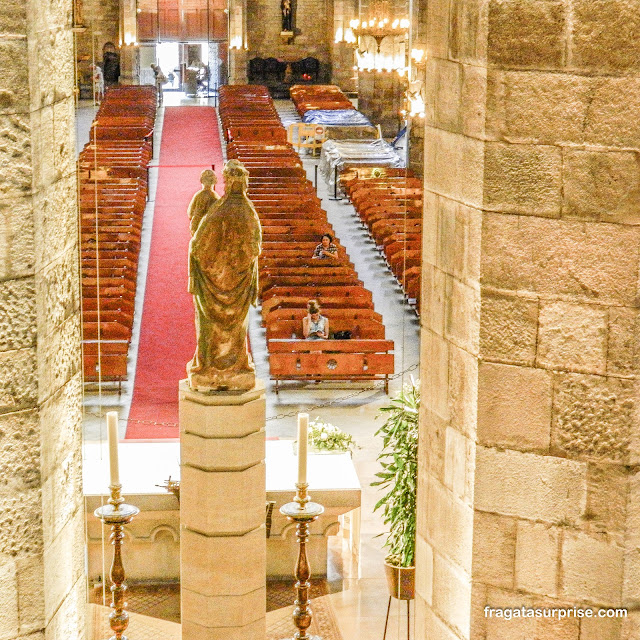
(315, 326)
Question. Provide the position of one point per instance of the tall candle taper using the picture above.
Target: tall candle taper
(303, 428)
(112, 435)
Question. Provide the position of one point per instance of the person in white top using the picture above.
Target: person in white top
(98, 83)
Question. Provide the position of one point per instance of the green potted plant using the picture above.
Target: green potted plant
(398, 477)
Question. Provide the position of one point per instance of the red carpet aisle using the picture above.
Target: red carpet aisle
(190, 143)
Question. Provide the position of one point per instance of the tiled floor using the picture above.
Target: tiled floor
(155, 600)
(359, 595)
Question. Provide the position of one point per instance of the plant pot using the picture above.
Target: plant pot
(401, 581)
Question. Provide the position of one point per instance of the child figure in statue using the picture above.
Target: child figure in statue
(202, 200)
(223, 278)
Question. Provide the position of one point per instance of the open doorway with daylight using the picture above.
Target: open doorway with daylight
(187, 39)
(195, 68)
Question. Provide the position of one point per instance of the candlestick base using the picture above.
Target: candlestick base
(117, 514)
(303, 512)
(120, 514)
(116, 511)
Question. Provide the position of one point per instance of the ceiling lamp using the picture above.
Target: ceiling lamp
(379, 24)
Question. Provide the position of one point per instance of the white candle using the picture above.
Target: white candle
(112, 433)
(303, 426)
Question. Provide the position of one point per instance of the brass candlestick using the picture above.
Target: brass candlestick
(303, 512)
(116, 513)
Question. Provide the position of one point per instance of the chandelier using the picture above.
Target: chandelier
(380, 23)
(379, 28)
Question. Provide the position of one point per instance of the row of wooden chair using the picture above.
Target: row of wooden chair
(113, 186)
(318, 96)
(293, 222)
(389, 203)
(255, 122)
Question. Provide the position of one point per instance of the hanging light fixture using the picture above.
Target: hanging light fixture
(415, 106)
(380, 24)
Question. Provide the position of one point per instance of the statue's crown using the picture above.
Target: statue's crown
(234, 169)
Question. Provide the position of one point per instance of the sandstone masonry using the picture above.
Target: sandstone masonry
(529, 428)
(41, 521)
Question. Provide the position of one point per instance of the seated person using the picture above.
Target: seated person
(326, 249)
(314, 325)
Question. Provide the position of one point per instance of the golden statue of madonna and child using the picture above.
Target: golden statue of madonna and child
(225, 244)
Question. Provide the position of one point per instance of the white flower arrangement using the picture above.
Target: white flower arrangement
(324, 436)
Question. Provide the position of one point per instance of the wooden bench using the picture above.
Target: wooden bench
(391, 207)
(363, 326)
(293, 222)
(269, 133)
(338, 314)
(355, 359)
(327, 302)
(105, 361)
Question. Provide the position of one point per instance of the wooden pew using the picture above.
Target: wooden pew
(355, 359)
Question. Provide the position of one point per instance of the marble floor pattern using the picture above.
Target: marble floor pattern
(360, 594)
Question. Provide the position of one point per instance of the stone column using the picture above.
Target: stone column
(528, 488)
(238, 66)
(342, 54)
(222, 514)
(342, 61)
(129, 50)
(41, 526)
(238, 36)
(381, 98)
(130, 64)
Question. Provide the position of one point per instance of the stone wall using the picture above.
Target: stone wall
(41, 526)
(102, 19)
(313, 21)
(528, 491)
(416, 126)
(342, 53)
(416, 146)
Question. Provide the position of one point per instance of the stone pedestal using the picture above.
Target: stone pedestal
(222, 513)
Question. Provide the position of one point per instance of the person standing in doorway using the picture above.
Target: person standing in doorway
(161, 80)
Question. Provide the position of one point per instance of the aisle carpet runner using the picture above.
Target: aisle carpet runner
(190, 143)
